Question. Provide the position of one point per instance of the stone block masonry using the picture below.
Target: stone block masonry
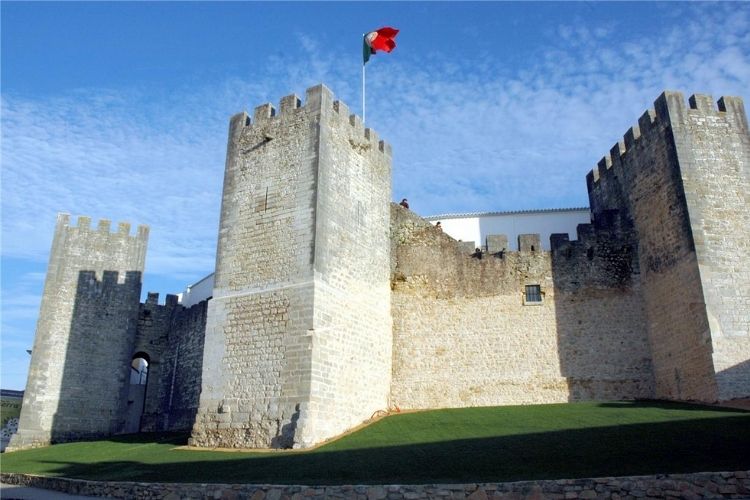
(650, 301)
(298, 337)
(680, 179)
(152, 344)
(694, 486)
(171, 337)
(713, 148)
(80, 363)
(465, 334)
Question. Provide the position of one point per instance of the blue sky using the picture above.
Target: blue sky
(120, 110)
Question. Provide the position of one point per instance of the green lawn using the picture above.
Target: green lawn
(462, 445)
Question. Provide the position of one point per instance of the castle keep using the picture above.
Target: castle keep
(331, 304)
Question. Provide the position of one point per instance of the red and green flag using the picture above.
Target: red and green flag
(382, 39)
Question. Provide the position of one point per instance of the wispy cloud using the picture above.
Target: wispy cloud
(466, 136)
(484, 140)
(20, 307)
(105, 156)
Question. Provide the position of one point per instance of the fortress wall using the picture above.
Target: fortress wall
(96, 372)
(254, 379)
(257, 345)
(181, 368)
(713, 147)
(152, 339)
(464, 337)
(471, 352)
(680, 178)
(600, 313)
(172, 336)
(266, 236)
(351, 336)
(78, 378)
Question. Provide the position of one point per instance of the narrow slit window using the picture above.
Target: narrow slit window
(533, 293)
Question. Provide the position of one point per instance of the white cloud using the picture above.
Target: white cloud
(468, 136)
(24, 306)
(20, 307)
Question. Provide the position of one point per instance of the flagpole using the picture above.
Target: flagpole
(363, 93)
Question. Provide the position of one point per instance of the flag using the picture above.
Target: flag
(382, 39)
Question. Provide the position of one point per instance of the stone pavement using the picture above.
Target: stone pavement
(668, 486)
(12, 491)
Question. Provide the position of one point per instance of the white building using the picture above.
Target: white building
(476, 226)
(198, 291)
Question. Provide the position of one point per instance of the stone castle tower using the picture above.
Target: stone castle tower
(681, 179)
(298, 339)
(330, 303)
(85, 333)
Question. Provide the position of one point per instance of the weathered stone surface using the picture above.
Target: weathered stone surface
(479, 494)
(376, 493)
(172, 337)
(658, 486)
(298, 329)
(80, 364)
(464, 334)
(681, 179)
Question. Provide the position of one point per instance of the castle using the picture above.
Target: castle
(331, 304)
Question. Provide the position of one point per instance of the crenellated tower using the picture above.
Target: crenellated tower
(298, 336)
(681, 180)
(80, 363)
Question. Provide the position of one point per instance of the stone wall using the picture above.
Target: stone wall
(465, 336)
(351, 334)
(697, 485)
(172, 338)
(320, 317)
(680, 178)
(182, 368)
(600, 313)
(78, 378)
(713, 148)
(151, 342)
(300, 308)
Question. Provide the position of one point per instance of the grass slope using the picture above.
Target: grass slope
(458, 445)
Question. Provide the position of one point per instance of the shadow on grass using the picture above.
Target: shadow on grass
(175, 438)
(669, 405)
(711, 444)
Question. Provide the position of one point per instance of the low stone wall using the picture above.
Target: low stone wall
(698, 485)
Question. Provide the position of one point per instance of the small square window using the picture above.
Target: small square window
(533, 293)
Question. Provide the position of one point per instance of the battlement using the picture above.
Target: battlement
(82, 247)
(497, 244)
(90, 280)
(152, 299)
(600, 257)
(670, 110)
(316, 98)
(586, 235)
(103, 227)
